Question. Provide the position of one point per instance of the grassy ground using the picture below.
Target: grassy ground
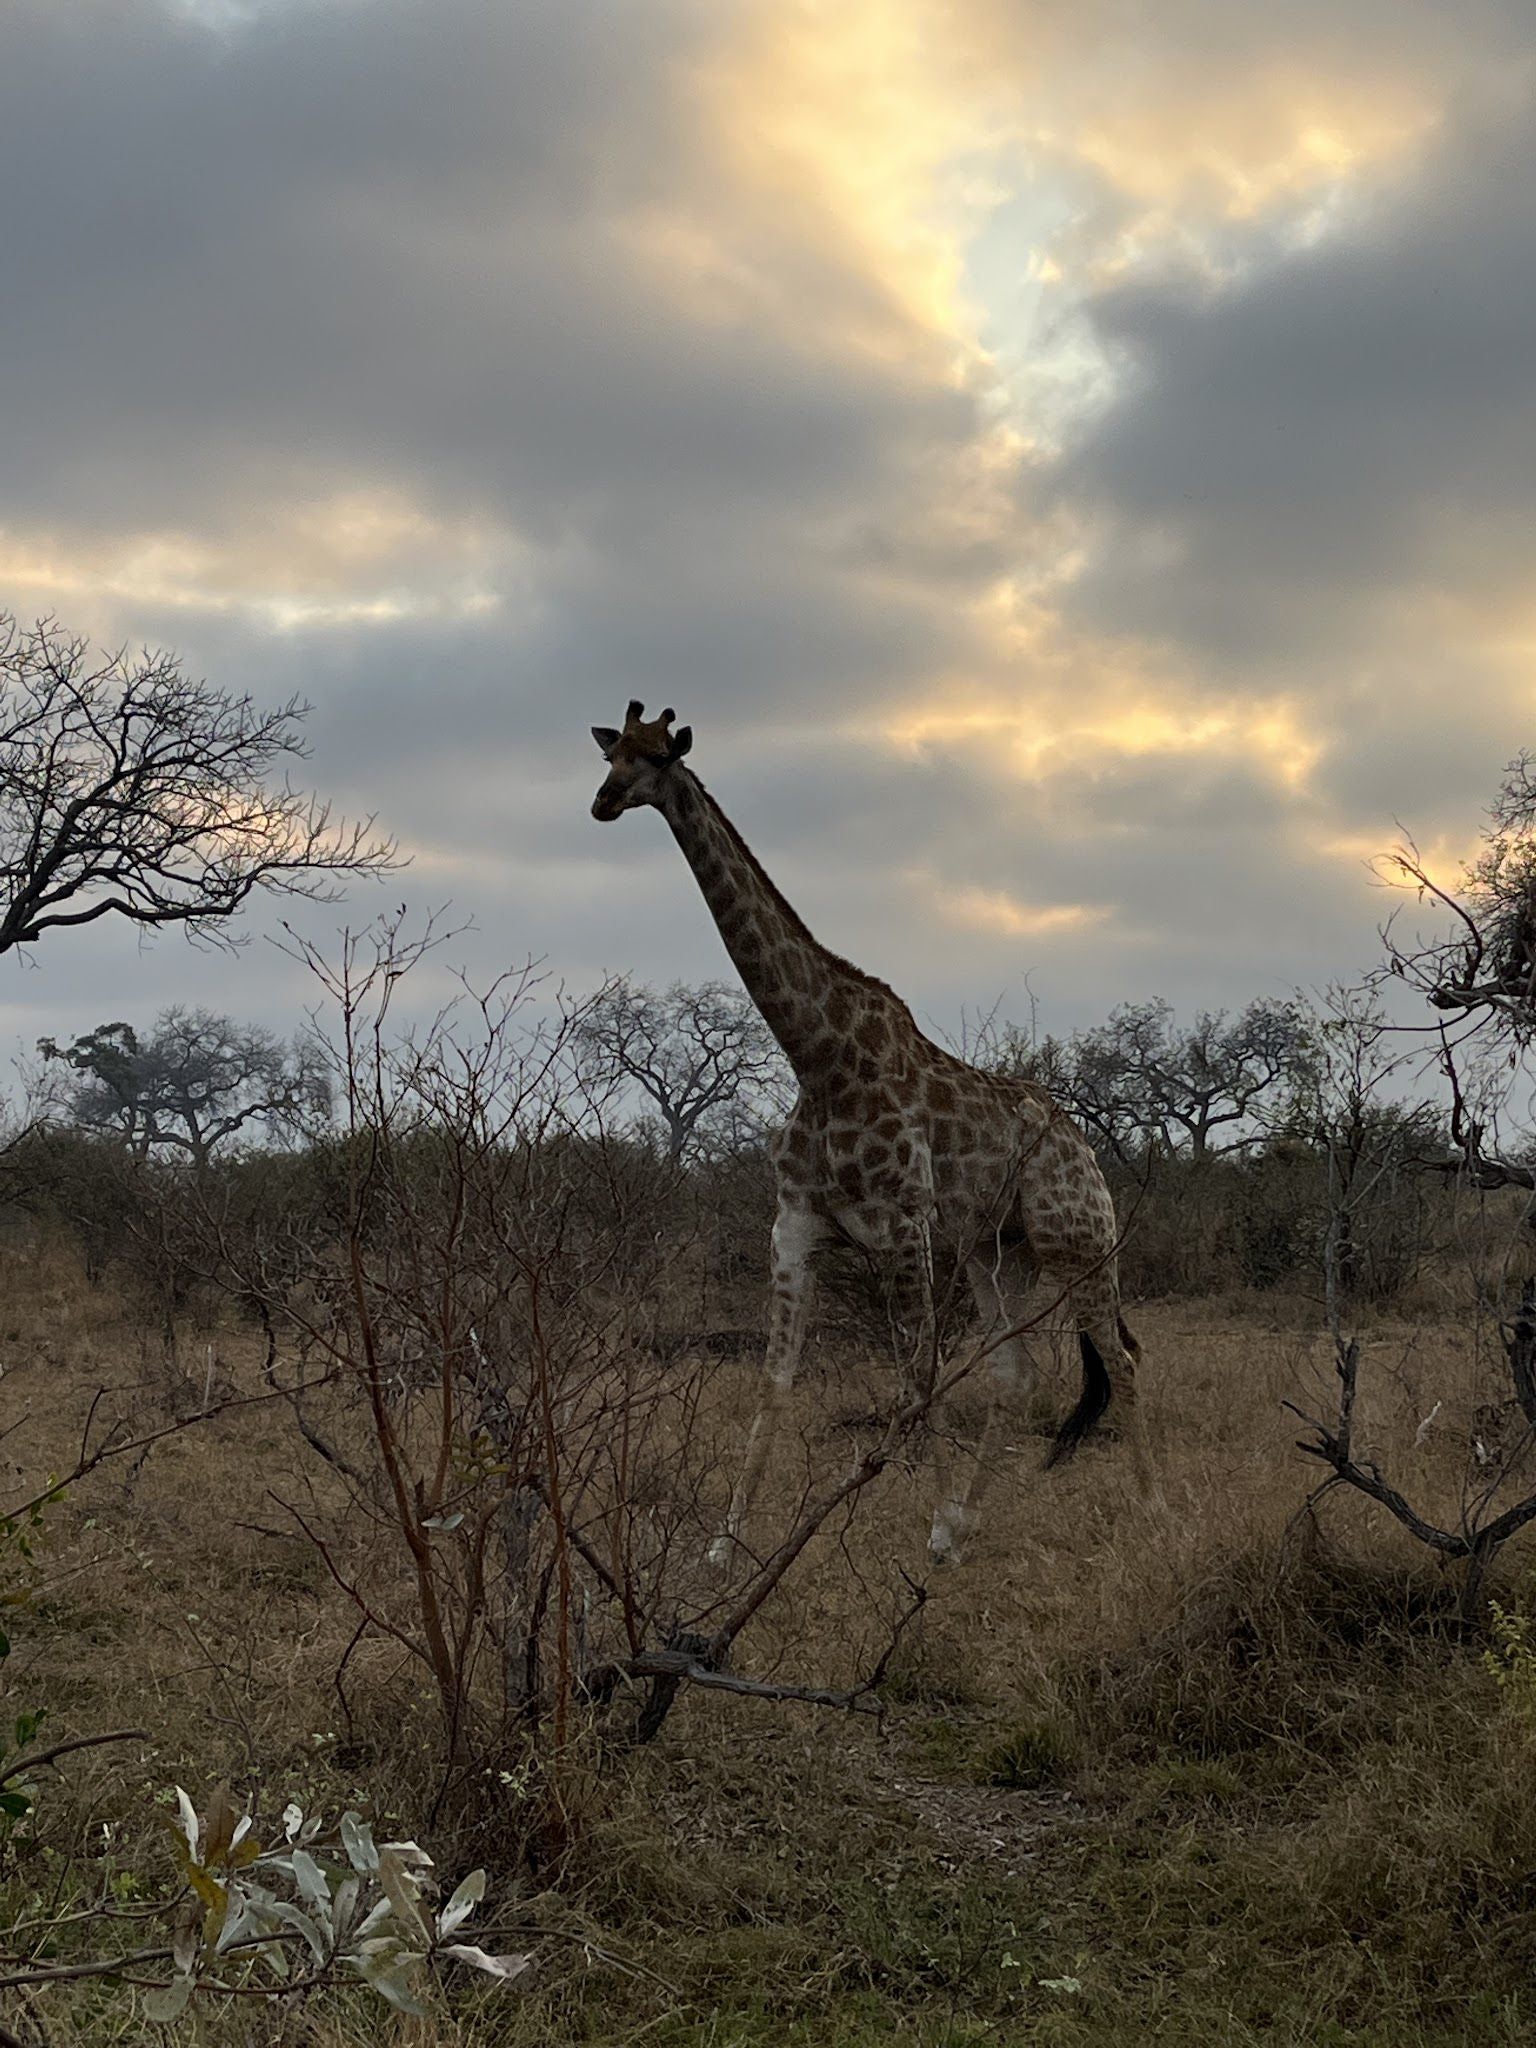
(1194, 1769)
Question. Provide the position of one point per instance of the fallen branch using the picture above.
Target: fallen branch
(681, 1664)
(47, 1756)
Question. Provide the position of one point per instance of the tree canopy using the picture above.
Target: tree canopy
(129, 790)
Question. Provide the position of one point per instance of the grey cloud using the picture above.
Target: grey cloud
(385, 236)
(1297, 453)
(385, 244)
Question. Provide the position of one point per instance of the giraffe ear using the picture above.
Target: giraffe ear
(682, 740)
(607, 738)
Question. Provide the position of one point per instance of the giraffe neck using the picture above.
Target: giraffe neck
(787, 973)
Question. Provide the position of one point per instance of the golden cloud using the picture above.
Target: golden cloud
(891, 133)
(354, 557)
(994, 910)
(1268, 736)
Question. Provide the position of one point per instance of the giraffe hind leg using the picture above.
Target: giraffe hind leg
(1110, 1353)
(1002, 1287)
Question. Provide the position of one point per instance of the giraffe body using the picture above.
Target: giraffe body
(895, 1146)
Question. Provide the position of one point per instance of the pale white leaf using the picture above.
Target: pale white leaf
(357, 1840)
(310, 1879)
(409, 1853)
(388, 1969)
(293, 1820)
(168, 2004)
(376, 1918)
(187, 1937)
(291, 1916)
(462, 1904)
(505, 1967)
(189, 1821)
(274, 1954)
(238, 1922)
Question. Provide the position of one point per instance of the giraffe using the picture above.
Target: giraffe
(895, 1146)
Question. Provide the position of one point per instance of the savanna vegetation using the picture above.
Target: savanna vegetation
(368, 1401)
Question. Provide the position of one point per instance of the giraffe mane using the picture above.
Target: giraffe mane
(792, 917)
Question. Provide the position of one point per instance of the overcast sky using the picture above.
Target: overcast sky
(1074, 466)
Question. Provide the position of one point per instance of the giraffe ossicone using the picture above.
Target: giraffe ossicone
(895, 1146)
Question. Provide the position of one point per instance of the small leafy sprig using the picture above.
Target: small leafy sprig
(355, 1905)
(1511, 1662)
(19, 1539)
(17, 1792)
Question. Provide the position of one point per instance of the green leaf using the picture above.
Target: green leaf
(401, 1893)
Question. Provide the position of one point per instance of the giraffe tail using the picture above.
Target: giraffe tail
(1095, 1399)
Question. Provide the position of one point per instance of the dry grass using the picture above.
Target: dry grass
(1194, 1768)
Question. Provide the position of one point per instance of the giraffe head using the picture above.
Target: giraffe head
(639, 759)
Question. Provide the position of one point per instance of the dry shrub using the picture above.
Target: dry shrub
(1262, 1789)
(1284, 1645)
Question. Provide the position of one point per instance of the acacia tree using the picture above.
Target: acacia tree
(1206, 1086)
(194, 1083)
(129, 790)
(702, 1058)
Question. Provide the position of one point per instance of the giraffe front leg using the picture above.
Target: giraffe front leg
(796, 1235)
(1002, 1286)
(913, 1312)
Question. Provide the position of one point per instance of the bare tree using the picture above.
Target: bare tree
(129, 790)
(1374, 1144)
(1022, 1052)
(702, 1058)
(194, 1083)
(1478, 973)
(1484, 968)
(530, 1475)
(1205, 1087)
